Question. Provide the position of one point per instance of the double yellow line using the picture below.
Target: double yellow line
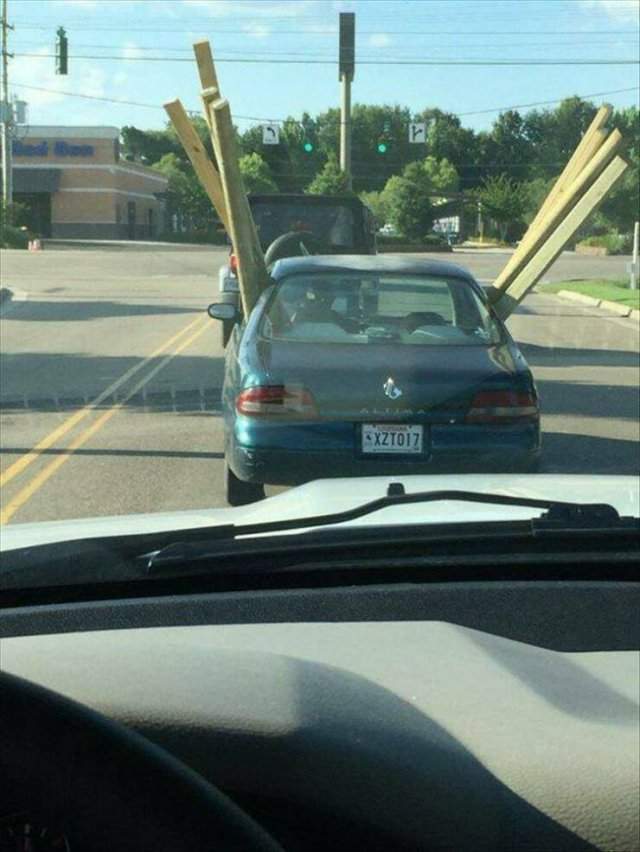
(197, 327)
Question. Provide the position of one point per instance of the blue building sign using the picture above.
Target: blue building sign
(60, 149)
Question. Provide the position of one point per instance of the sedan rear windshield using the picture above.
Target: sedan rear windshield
(370, 308)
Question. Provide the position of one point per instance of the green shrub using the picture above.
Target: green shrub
(204, 237)
(434, 239)
(394, 240)
(614, 243)
(11, 237)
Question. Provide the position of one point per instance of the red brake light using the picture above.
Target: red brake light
(500, 406)
(233, 263)
(277, 401)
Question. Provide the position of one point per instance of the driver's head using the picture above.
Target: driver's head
(320, 296)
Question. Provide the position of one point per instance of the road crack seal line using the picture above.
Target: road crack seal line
(22, 463)
(46, 473)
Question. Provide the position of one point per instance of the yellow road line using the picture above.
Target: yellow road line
(24, 461)
(46, 473)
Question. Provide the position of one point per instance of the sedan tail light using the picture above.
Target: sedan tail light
(277, 401)
(501, 406)
(233, 263)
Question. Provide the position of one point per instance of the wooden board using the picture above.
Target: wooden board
(559, 209)
(203, 167)
(556, 242)
(252, 272)
(206, 68)
(590, 143)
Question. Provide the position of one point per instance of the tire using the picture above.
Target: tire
(238, 492)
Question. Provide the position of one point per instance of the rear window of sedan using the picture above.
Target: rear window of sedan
(369, 308)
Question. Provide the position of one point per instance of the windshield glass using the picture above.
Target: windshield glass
(333, 224)
(411, 310)
(400, 246)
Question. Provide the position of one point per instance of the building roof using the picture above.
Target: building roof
(39, 131)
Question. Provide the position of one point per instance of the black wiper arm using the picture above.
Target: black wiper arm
(558, 515)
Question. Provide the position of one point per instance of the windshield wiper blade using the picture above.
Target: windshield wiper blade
(558, 516)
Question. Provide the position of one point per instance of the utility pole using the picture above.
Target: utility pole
(6, 111)
(347, 63)
(634, 266)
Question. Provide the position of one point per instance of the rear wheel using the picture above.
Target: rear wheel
(238, 492)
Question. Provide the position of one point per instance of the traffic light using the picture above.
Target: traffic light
(308, 146)
(385, 140)
(62, 51)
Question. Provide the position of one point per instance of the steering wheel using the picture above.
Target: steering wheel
(295, 244)
(107, 786)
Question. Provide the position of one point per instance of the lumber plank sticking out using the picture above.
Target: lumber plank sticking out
(592, 140)
(560, 208)
(252, 272)
(551, 249)
(206, 68)
(202, 165)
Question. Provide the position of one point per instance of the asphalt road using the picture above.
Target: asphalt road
(111, 373)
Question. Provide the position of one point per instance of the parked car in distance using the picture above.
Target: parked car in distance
(290, 225)
(352, 365)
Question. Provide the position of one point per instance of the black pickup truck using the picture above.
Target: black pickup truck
(294, 225)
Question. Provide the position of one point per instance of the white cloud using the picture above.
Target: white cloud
(77, 4)
(257, 30)
(253, 8)
(130, 50)
(379, 40)
(38, 70)
(621, 11)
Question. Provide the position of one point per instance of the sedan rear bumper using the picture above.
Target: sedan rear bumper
(508, 448)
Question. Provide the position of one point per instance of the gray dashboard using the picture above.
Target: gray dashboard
(437, 734)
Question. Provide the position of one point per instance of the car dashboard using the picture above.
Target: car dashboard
(436, 716)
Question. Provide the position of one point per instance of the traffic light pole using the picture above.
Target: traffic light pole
(345, 127)
(7, 172)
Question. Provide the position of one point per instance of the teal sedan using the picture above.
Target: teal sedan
(372, 365)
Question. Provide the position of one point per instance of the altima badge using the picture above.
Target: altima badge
(391, 389)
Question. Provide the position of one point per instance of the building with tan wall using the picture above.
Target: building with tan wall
(78, 187)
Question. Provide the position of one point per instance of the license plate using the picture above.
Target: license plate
(391, 438)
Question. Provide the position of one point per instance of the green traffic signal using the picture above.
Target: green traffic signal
(382, 147)
(308, 147)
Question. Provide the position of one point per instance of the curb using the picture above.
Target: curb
(612, 307)
(579, 297)
(5, 295)
(616, 308)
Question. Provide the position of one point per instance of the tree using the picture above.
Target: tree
(448, 140)
(407, 198)
(329, 181)
(441, 175)
(185, 194)
(375, 201)
(504, 200)
(256, 174)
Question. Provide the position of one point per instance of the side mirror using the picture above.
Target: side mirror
(222, 311)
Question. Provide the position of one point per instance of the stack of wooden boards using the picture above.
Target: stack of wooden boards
(223, 184)
(596, 165)
(592, 171)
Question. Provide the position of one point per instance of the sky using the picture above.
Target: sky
(145, 47)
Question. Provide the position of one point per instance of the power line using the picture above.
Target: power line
(407, 62)
(262, 119)
(260, 52)
(303, 31)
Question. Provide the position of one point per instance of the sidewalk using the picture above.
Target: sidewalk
(57, 244)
